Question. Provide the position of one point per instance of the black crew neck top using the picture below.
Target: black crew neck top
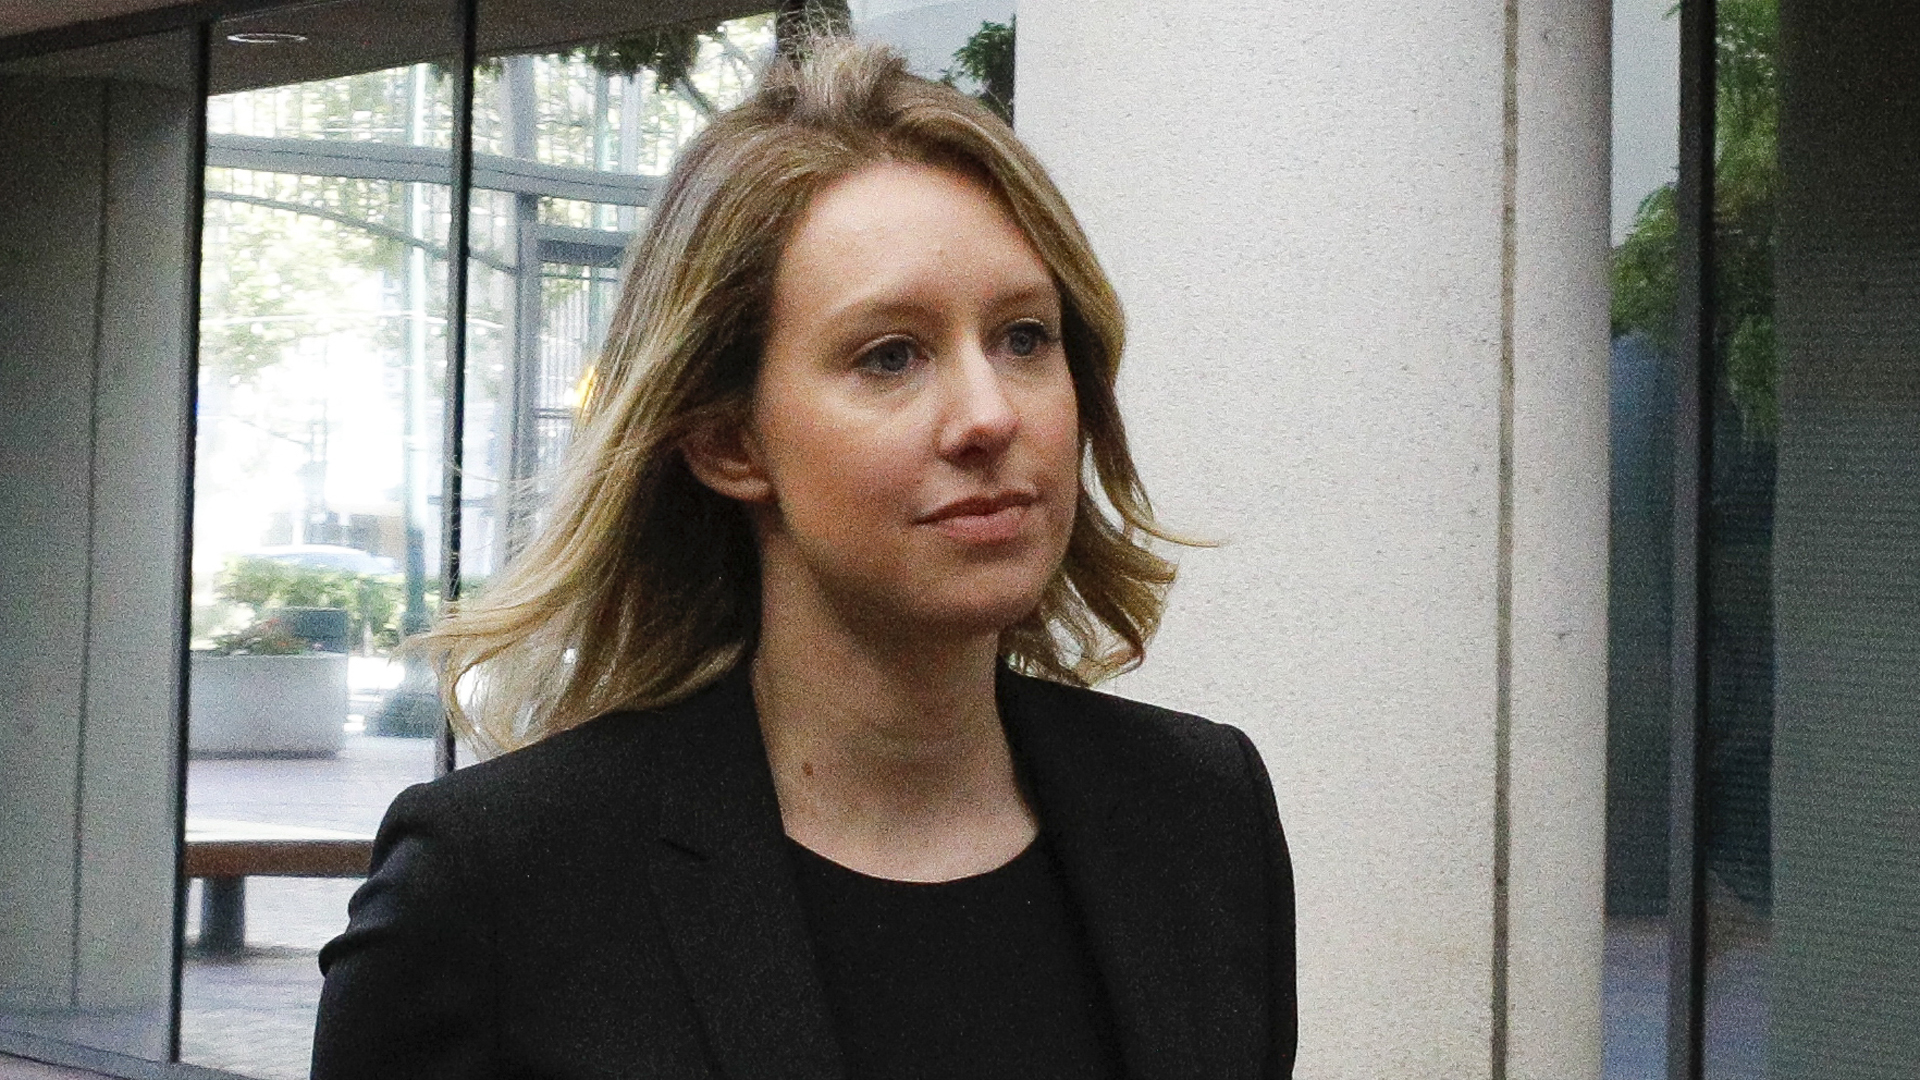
(980, 978)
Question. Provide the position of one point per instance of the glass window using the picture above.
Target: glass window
(1813, 822)
(570, 141)
(1737, 626)
(317, 474)
(1646, 96)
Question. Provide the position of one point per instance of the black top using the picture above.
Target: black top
(979, 978)
(617, 902)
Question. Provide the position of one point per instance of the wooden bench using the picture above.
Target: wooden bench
(224, 854)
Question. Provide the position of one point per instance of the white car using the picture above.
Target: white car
(326, 556)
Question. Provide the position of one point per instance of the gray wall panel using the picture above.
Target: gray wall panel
(1846, 800)
(128, 793)
(96, 186)
(49, 255)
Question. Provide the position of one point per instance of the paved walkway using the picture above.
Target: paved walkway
(13, 1068)
(254, 1015)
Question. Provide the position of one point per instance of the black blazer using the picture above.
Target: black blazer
(617, 901)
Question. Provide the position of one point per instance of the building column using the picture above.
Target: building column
(1363, 251)
(94, 452)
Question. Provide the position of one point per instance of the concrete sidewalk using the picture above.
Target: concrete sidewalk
(13, 1068)
(254, 1014)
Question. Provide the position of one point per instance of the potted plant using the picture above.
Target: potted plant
(262, 691)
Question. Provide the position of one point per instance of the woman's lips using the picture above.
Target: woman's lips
(987, 520)
(992, 527)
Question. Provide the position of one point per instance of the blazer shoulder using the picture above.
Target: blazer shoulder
(1134, 733)
(569, 782)
(557, 764)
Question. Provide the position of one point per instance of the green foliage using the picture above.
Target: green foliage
(372, 601)
(1746, 179)
(266, 638)
(1644, 273)
(1746, 182)
(1753, 375)
(670, 52)
(275, 276)
(987, 59)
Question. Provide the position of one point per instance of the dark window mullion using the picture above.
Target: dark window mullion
(455, 410)
(190, 461)
(1692, 455)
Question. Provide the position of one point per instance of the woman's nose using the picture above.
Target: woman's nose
(981, 417)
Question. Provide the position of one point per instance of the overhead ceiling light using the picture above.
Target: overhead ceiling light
(266, 37)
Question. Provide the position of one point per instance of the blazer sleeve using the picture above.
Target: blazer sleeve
(1279, 867)
(409, 989)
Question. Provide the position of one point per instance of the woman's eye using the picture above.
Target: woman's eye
(1025, 339)
(889, 357)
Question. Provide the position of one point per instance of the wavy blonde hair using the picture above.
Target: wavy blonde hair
(644, 585)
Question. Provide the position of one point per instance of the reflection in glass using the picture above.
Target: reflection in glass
(317, 471)
(603, 121)
(1839, 397)
(1738, 624)
(1640, 612)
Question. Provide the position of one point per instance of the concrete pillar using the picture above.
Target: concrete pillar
(93, 456)
(1363, 249)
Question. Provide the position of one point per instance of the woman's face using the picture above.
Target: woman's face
(914, 447)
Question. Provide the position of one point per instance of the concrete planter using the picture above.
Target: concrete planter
(267, 706)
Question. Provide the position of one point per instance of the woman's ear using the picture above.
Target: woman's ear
(726, 458)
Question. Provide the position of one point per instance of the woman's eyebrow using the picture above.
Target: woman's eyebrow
(888, 305)
(905, 305)
(1045, 294)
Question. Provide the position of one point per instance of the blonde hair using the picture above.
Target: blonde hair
(644, 585)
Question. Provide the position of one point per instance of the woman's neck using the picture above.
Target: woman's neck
(889, 758)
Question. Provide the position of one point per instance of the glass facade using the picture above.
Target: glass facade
(181, 877)
(1813, 785)
(570, 143)
(1764, 787)
(316, 543)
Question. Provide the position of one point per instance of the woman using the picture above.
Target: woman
(805, 781)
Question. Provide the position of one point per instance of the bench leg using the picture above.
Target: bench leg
(223, 916)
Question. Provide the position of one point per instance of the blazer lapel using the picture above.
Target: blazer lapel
(723, 882)
(1127, 866)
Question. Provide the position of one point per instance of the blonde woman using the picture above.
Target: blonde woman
(804, 780)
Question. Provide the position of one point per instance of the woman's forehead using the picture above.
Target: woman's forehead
(899, 234)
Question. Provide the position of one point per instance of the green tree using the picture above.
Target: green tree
(987, 59)
(274, 274)
(372, 601)
(1745, 183)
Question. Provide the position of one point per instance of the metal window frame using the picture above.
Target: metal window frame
(459, 270)
(196, 225)
(1692, 542)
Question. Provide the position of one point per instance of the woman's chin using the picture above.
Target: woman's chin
(979, 614)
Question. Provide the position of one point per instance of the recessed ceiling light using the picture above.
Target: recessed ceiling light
(266, 37)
